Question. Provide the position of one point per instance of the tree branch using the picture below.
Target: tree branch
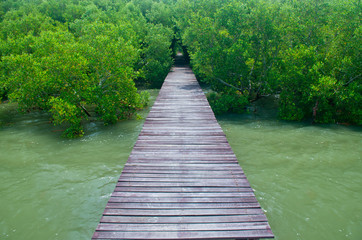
(85, 110)
(229, 85)
(351, 80)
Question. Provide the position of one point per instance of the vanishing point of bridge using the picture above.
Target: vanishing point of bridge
(182, 179)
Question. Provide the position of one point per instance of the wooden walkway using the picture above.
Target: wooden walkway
(182, 179)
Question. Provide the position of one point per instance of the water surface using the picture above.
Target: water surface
(55, 188)
(307, 178)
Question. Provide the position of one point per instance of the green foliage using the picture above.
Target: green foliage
(3, 93)
(298, 72)
(144, 98)
(65, 56)
(160, 13)
(234, 42)
(157, 54)
(308, 51)
(223, 103)
(65, 112)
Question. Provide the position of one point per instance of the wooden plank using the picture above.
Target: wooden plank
(163, 170)
(183, 189)
(224, 165)
(184, 157)
(156, 162)
(158, 121)
(184, 235)
(172, 127)
(180, 148)
(180, 119)
(198, 161)
(215, 139)
(183, 219)
(184, 227)
(183, 154)
(205, 182)
(182, 172)
(191, 133)
(195, 168)
(181, 212)
(129, 183)
(178, 142)
(181, 195)
(183, 200)
(182, 179)
(138, 205)
(201, 175)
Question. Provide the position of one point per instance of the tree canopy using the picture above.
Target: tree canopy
(307, 51)
(65, 56)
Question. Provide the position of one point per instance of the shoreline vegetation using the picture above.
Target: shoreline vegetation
(85, 59)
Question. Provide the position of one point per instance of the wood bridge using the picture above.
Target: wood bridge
(182, 179)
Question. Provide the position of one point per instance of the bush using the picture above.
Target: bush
(223, 103)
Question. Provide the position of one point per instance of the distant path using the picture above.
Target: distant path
(182, 179)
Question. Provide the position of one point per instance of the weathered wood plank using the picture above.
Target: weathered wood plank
(182, 172)
(195, 168)
(181, 155)
(175, 148)
(181, 212)
(183, 219)
(182, 179)
(186, 161)
(230, 181)
(184, 227)
(182, 189)
(182, 176)
(224, 165)
(181, 195)
(138, 205)
(209, 183)
(216, 139)
(184, 235)
(183, 200)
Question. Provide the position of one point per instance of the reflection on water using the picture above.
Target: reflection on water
(307, 178)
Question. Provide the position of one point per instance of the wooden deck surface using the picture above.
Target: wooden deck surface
(182, 179)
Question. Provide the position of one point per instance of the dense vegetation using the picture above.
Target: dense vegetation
(69, 56)
(307, 51)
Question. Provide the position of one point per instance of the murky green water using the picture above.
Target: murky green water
(307, 178)
(53, 188)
